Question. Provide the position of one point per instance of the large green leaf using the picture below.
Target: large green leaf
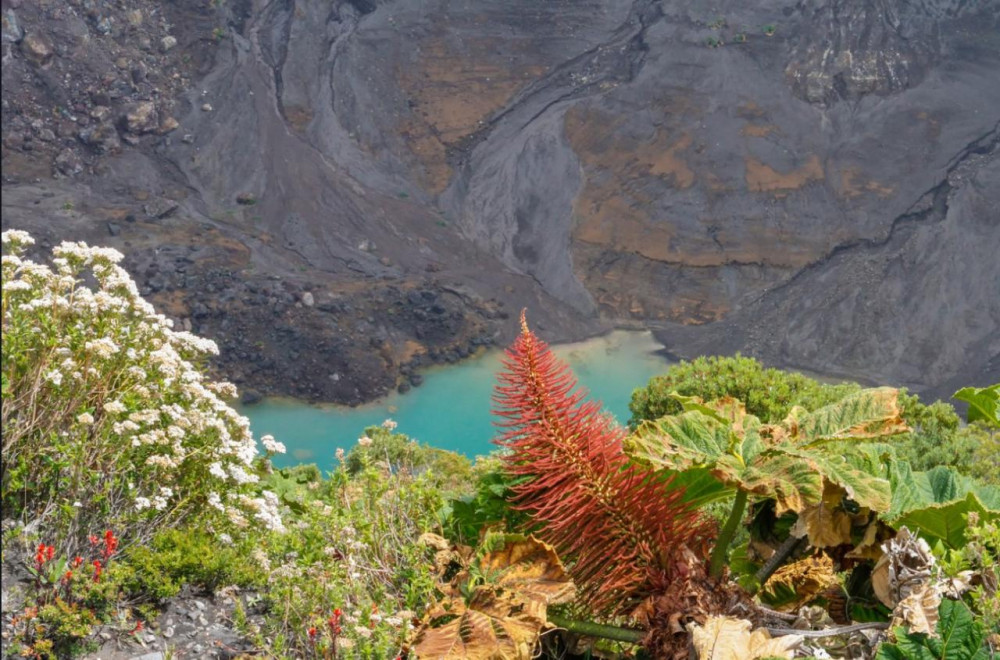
(700, 486)
(692, 439)
(789, 466)
(792, 482)
(959, 637)
(946, 522)
(984, 404)
(866, 415)
(936, 503)
(862, 487)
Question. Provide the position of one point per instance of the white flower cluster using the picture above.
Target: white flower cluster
(272, 445)
(139, 379)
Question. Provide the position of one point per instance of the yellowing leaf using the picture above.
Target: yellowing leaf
(826, 524)
(726, 638)
(491, 627)
(500, 620)
(806, 578)
(532, 569)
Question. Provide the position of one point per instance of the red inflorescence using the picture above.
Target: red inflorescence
(619, 527)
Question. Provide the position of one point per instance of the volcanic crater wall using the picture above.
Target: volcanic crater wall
(813, 182)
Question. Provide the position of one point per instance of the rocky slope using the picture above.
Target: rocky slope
(340, 192)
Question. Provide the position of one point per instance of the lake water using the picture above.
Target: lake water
(451, 410)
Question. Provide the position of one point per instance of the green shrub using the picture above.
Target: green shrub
(937, 437)
(395, 452)
(355, 549)
(108, 419)
(188, 556)
(768, 394)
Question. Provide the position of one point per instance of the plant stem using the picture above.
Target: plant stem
(784, 551)
(598, 629)
(720, 552)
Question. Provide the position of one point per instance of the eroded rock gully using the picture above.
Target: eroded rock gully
(346, 191)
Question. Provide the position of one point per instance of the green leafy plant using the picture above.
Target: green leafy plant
(937, 503)
(768, 394)
(718, 449)
(959, 637)
(984, 404)
(188, 556)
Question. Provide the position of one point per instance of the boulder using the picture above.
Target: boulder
(37, 49)
(102, 137)
(68, 162)
(140, 118)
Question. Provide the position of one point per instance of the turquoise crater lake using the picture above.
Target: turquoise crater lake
(451, 410)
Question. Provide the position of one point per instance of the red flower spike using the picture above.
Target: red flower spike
(622, 529)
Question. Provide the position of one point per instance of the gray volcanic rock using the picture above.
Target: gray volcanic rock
(811, 182)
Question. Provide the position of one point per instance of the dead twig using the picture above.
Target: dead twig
(828, 632)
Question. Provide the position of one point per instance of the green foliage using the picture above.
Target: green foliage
(174, 558)
(984, 404)
(937, 503)
(791, 462)
(769, 394)
(487, 507)
(959, 637)
(397, 453)
(936, 437)
(355, 547)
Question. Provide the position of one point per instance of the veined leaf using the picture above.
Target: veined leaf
(959, 637)
(804, 579)
(785, 462)
(984, 404)
(490, 627)
(500, 620)
(868, 414)
(792, 482)
(936, 502)
(531, 569)
(826, 524)
(699, 485)
(865, 489)
(946, 521)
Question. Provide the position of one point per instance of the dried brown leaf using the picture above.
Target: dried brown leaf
(727, 638)
(808, 578)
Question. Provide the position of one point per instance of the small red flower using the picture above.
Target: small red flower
(138, 627)
(77, 562)
(97, 570)
(110, 545)
(93, 540)
(67, 577)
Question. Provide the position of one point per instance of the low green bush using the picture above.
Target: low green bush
(189, 556)
(768, 394)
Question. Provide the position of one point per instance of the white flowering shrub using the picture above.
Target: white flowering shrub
(108, 419)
